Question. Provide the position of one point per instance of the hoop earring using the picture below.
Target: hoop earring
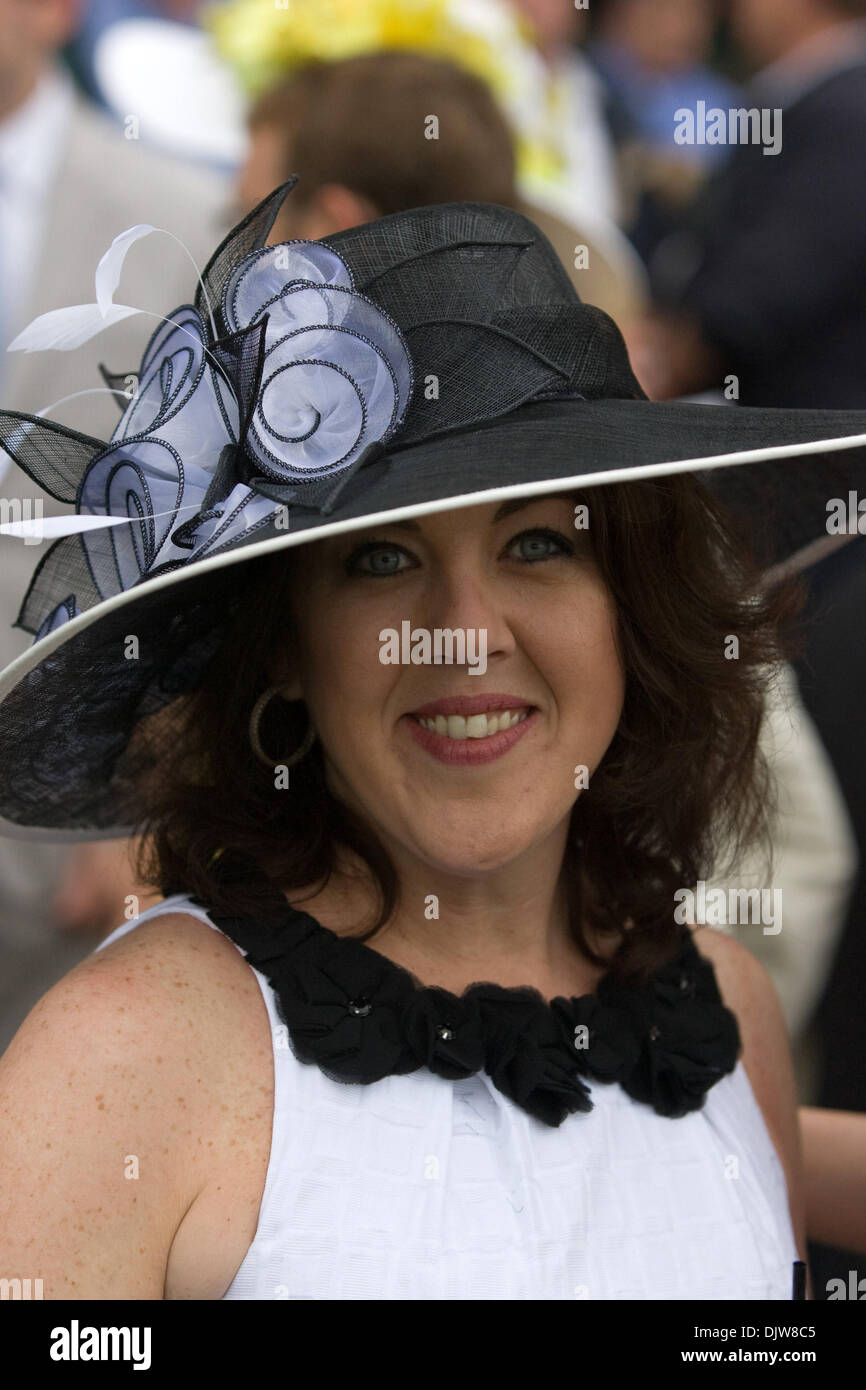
(255, 741)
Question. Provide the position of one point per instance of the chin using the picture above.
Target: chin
(449, 851)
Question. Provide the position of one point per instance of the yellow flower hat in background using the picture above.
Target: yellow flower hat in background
(264, 42)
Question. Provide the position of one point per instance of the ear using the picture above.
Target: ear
(291, 689)
(283, 669)
(334, 208)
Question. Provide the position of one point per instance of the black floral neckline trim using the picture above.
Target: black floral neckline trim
(359, 1017)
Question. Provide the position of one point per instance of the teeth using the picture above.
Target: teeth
(476, 725)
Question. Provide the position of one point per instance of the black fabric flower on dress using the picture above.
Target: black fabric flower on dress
(689, 1040)
(525, 1055)
(360, 1017)
(344, 1006)
(445, 1032)
(601, 1035)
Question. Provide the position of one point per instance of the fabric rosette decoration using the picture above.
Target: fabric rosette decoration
(687, 1036)
(268, 392)
(361, 1017)
(527, 1055)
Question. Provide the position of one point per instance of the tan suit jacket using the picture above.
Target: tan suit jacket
(105, 184)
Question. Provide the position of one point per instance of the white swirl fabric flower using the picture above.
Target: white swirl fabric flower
(268, 392)
(332, 375)
(336, 372)
(162, 459)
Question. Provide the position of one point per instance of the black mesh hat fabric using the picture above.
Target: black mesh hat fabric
(516, 382)
(488, 313)
(489, 310)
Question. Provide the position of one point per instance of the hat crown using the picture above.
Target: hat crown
(300, 364)
(488, 312)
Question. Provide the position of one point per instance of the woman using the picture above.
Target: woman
(418, 1016)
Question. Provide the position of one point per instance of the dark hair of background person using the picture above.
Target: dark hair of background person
(684, 772)
(337, 118)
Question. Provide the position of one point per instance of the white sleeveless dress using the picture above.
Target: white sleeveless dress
(416, 1187)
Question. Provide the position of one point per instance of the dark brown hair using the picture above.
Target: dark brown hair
(683, 775)
(360, 123)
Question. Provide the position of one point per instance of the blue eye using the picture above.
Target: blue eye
(383, 557)
(538, 542)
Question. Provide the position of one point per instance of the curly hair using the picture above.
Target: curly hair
(683, 777)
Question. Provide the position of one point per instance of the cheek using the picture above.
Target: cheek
(606, 643)
(591, 682)
(345, 684)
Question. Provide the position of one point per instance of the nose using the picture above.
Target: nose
(462, 596)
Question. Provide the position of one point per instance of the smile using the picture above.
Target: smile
(473, 737)
(473, 726)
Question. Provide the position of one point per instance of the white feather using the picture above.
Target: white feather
(64, 329)
(49, 527)
(109, 269)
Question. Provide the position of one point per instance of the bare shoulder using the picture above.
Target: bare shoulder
(747, 989)
(738, 971)
(172, 978)
(118, 1106)
(173, 949)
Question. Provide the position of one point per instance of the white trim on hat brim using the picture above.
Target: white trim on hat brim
(15, 672)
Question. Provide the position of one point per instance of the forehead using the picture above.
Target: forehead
(481, 516)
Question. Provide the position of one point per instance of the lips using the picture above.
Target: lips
(459, 742)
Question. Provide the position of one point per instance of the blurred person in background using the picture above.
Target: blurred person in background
(769, 286)
(769, 279)
(574, 108)
(654, 58)
(99, 15)
(192, 84)
(70, 181)
(526, 51)
(355, 132)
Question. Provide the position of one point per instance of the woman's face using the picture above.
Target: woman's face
(519, 583)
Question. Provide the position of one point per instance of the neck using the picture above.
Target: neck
(16, 88)
(509, 926)
(511, 920)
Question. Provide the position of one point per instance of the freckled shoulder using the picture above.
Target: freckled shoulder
(130, 1090)
(178, 971)
(747, 989)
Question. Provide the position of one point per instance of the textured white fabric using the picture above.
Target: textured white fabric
(420, 1188)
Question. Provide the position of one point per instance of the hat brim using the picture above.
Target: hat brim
(69, 704)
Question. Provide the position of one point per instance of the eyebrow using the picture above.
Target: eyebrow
(514, 504)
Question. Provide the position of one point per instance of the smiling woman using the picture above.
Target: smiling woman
(596, 668)
(416, 1018)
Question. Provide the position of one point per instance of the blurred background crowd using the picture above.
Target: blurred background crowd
(736, 270)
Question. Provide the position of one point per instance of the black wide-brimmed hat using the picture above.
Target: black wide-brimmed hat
(434, 359)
